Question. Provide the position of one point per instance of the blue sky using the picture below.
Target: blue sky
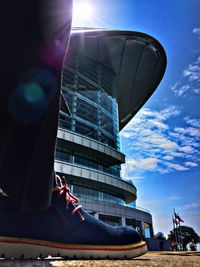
(162, 142)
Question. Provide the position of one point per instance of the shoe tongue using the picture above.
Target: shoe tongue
(59, 204)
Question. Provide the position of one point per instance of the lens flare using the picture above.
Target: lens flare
(29, 101)
(34, 93)
(82, 11)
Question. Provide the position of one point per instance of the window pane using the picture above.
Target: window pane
(65, 122)
(63, 156)
(107, 140)
(106, 123)
(106, 102)
(86, 111)
(86, 130)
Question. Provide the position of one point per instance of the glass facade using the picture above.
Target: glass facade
(86, 161)
(89, 89)
(93, 194)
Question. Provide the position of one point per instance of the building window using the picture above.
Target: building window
(69, 99)
(109, 141)
(114, 170)
(90, 91)
(86, 130)
(87, 90)
(106, 123)
(112, 220)
(65, 122)
(68, 78)
(106, 102)
(107, 80)
(86, 111)
(89, 193)
(83, 160)
(63, 155)
(88, 68)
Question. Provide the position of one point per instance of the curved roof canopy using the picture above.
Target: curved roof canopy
(137, 59)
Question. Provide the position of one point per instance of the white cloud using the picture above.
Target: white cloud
(171, 111)
(196, 90)
(175, 86)
(185, 149)
(193, 205)
(196, 31)
(128, 135)
(159, 124)
(138, 178)
(189, 83)
(193, 122)
(177, 154)
(152, 145)
(193, 131)
(188, 131)
(145, 164)
(168, 157)
(177, 167)
(191, 164)
(192, 71)
(179, 130)
(181, 90)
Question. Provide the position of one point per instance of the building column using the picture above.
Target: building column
(142, 228)
(123, 221)
(151, 230)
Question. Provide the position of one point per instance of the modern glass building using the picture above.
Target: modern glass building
(107, 77)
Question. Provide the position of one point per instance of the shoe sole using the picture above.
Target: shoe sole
(20, 248)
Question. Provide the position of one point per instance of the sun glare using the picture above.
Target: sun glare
(82, 11)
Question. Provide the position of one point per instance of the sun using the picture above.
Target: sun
(82, 10)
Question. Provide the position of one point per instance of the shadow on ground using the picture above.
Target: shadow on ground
(183, 253)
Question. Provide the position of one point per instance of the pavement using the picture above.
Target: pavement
(158, 259)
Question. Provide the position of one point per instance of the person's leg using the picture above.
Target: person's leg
(34, 37)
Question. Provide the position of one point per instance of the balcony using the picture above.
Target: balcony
(98, 180)
(89, 146)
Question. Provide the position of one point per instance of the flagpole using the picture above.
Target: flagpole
(177, 232)
(181, 235)
(174, 233)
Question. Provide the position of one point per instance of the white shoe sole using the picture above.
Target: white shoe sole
(20, 248)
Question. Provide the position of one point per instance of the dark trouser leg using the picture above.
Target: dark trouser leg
(35, 35)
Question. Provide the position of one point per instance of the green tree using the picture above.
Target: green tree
(188, 234)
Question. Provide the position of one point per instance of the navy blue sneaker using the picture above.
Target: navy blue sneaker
(63, 230)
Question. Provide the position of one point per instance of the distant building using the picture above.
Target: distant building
(107, 77)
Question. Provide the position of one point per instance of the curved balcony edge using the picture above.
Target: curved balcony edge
(101, 181)
(87, 145)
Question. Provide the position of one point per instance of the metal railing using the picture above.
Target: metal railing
(142, 209)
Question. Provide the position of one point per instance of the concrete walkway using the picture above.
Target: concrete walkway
(158, 259)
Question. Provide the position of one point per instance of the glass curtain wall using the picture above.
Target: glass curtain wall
(77, 158)
(90, 91)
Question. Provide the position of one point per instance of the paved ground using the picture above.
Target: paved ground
(158, 259)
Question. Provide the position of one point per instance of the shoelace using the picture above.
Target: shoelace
(63, 189)
(2, 193)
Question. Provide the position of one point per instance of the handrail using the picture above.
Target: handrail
(142, 209)
(90, 139)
